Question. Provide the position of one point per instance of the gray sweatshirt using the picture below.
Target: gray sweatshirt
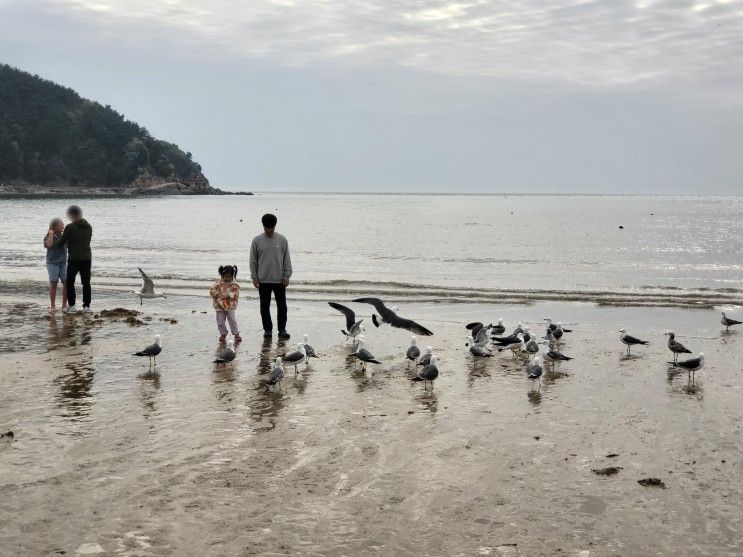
(269, 259)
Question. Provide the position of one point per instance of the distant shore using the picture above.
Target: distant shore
(150, 190)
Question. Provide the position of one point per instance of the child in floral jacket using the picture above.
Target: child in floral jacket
(225, 293)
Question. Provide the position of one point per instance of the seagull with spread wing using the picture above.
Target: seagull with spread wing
(353, 327)
(390, 317)
(148, 288)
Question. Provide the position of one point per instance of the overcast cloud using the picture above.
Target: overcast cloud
(404, 95)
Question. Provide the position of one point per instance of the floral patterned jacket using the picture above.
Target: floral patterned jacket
(225, 295)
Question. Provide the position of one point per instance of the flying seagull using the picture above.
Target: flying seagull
(308, 349)
(151, 351)
(353, 327)
(691, 365)
(729, 322)
(148, 288)
(629, 340)
(429, 373)
(299, 356)
(675, 346)
(426, 358)
(228, 354)
(480, 338)
(277, 375)
(413, 351)
(390, 317)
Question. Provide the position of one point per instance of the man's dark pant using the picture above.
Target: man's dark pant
(82, 267)
(279, 292)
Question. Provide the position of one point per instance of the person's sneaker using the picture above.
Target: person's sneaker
(283, 334)
(86, 309)
(222, 338)
(70, 309)
(267, 334)
(238, 338)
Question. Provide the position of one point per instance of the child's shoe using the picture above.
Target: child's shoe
(238, 338)
(222, 338)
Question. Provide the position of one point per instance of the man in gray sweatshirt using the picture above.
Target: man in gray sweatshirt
(270, 269)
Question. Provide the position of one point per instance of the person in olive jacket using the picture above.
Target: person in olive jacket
(76, 236)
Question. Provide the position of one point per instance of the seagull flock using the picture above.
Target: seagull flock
(521, 342)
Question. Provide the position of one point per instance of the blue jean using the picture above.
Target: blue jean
(57, 272)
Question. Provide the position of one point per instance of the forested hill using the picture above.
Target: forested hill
(49, 135)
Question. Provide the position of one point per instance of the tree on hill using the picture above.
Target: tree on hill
(49, 134)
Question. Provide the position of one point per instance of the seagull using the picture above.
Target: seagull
(364, 355)
(675, 346)
(534, 370)
(389, 316)
(413, 351)
(228, 354)
(555, 356)
(477, 351)
(426, 358)
(498, 329)
(429, 372)
(480, 338)
(307, 348)
(629, 340)
(297, 357)
(552, 326)
(531, 346)
(691, 365)
(729, 322)
(277, 375)
(513, 342)
(353, 327)
(517, 331)
(550, 336)
(148, 288)
(151, 351)
(557, 333)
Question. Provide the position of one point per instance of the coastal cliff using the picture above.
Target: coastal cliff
(54, 142)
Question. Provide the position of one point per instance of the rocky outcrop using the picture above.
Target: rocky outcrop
(144, 185)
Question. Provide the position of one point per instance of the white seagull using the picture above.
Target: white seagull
(148, 288)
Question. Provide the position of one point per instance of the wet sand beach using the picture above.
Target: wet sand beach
(203, 460)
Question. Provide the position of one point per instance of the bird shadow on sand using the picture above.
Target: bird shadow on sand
(629, 357)
(427, 400)
(535, 397)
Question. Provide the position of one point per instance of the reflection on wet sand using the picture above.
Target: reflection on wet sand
(149, 393)
(427, 400)
(74, 397)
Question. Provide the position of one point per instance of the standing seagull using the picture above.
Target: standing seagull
(555, 356)
(390, 317)
(498, 329)
(629, 340)
(413, 351)
(353, 327)
(676, 347)
(729, 322)
(297, 357)
(480, 338)
(426, 358)
(308, 349)
(692, 365)
(364, 355)
(148, 288)
(429, 373)
(151, 351)
(477, 351)
(277, 375)
(557, 332)
(552, 326)
(534, 370)
(228, 354)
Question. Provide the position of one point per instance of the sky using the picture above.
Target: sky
(558, 96)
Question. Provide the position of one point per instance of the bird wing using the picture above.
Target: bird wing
(365, 356)
(475, 327)
(429, 372)
(378, 305)
(151, 350)
(348, 312)
(410, 325)
(632, 340)
(413, 352)
(689, 364)
(293, 357)
(147, 284)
